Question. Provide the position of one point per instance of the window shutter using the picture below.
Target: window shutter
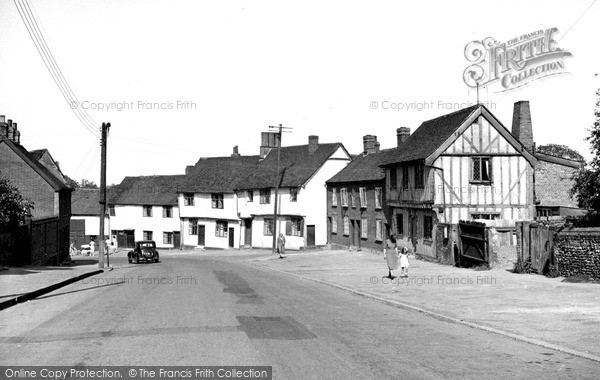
(288, 228)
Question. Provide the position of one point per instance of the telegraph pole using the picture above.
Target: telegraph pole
(101, 243)
(277, 180)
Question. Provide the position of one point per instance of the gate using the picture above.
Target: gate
(536, 241)
(473, 242)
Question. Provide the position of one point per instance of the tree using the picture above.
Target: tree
(71, 182)
(586, 188)
(14, 209)
(85, 184)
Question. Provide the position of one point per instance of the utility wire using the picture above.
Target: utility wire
(48, 61)
(45, 41)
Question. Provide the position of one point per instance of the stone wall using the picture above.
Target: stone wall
(577, 251)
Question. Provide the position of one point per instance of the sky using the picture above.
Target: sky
(191, 79)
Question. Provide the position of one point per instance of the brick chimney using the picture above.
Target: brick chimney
(16, 134)
(402, 134)
(370, 144)
(188, 169)
(235, 153)
(313, 143)
(521, 125)
(9, 133)
(269, 140)
(3, 126)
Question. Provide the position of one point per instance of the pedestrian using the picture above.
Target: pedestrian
(390, 254)
(92, 247)
(281, 245)
(404, 264)
(72, 249)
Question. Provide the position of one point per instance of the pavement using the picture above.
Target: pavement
(527, 307)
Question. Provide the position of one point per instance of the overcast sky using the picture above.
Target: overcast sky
(241, 66)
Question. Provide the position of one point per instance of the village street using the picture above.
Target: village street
(225, 308)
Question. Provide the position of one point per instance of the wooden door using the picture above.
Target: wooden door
(176, 239)
(231, 237)
(201, 234)
(248, 234)
(310, 235)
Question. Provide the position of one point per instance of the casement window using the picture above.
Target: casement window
(344, 194)
(419, 176)
(250, 194)
(167, 238)
(346, 226)
(405, 177)
(364, 228)
(294, 194)
(427, 227)
(485, 215)
(481, 169)
(188, 199)
(217, 200)
(268, 227)
(353, 198)
(167, 211)
(221, 228)
(400, 224)
(147, 213)
(148, 235)
(363, 197)
(334, 224)
(379, 230)
(378, 197)
(294, 227)
(393, 177)
(111, 210)
(193, 227)
(333, 197)
(265, 196)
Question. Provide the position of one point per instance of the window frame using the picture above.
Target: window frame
(167, 237)
(293, 194)
(419, 170)
(393, 177)
(405, 171)
(111, 210)
(378, 197)
(334, 200)
(334, 224)
(193, 226)
(265, 198)
(268, 222)
(344, 196)
(147, 212)
(167, 211)
(148, 235)
(362, 195)
(378, 230)
(427, 232)
(221, 228)
(188, 199)
(364, 228)
(346, 220)
(217, 200)
(250, 195)
(400, 224)
(479, 180)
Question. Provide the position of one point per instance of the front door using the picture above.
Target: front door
(130, 238)
(310, 235)
(176, 239)
(201, 233)
(231, 240)
(248, 235)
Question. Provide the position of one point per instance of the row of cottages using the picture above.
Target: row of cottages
(466, 166)
(39, 178)
(145, 208)
(357, 214)
(230, 201)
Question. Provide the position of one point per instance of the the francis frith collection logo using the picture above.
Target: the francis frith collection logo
(514, 63)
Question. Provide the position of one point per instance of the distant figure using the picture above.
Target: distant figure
(92, 247)
(390, 254)
(281, 244)
(404, 262)
(72, 249)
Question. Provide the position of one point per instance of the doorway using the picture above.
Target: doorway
(231, 237)
(201, 234)
(310, 235)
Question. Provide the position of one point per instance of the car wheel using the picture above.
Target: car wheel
(156, 260)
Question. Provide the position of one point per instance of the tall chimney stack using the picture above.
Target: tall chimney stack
(16, 134)
(9, 132)
(521, 125)
(402, 134)
(3, 126)
(370, 144)
(235, 153)
(313, 144)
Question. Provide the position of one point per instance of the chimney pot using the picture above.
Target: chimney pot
(235, 152)
(521, 125)
(402, 134)
(9, 130)
(313, 143)
(2, 119)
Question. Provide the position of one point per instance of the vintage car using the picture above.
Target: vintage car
(144, 250)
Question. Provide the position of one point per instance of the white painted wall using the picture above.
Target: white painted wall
(211, 240)
(92, 224)
(128, 217)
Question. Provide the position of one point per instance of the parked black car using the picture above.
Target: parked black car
(145, 250)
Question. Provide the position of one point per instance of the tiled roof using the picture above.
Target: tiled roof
(85, 202)
(145, 190)
(364, 168)
(430, 136)
(54, 181)
(37, 154)
(227, 174)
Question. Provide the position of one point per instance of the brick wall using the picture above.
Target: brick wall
(357, 214)
(29, 183)
(552, 184)
(577, 251)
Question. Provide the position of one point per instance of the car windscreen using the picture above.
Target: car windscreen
(147, 245)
